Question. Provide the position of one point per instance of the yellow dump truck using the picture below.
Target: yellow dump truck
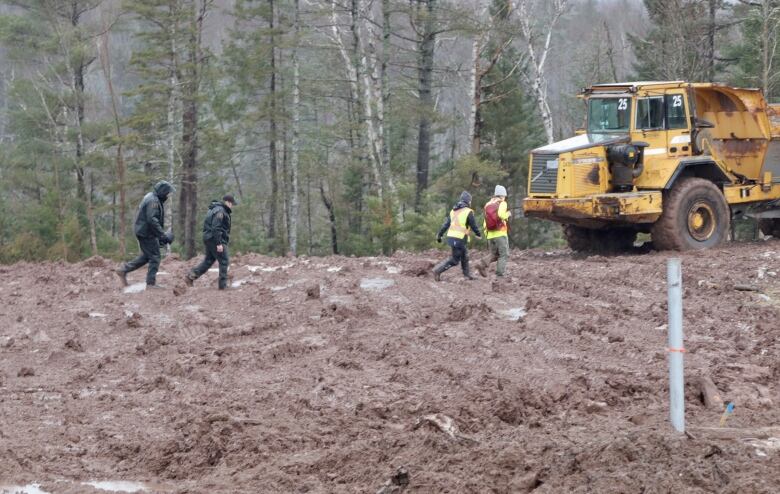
(677, 160)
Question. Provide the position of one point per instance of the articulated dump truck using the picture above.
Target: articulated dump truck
(676, 160)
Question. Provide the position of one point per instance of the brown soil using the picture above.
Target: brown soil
(339, 375)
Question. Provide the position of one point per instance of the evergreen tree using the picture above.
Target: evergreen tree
(680, 43)
(756, 55)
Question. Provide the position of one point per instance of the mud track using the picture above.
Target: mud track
(329, 374)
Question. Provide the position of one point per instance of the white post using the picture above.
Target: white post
(676, 349)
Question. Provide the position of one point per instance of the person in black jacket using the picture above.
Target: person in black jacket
(216, 236)
(150, 231)
(458, 225)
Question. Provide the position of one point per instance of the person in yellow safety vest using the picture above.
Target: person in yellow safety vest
(458, 225)
(496, 225)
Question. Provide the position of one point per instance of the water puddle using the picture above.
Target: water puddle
(104, 485)
(135, 288)
(334, 269)
(22, 489)
(394, 269)
(117, 486)
(376, 284)
(238, 283)
(96, 315)
(514, 314)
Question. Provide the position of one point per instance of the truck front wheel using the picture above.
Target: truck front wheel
(695, 216)
(604, 241)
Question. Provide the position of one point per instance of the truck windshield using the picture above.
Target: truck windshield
(609, 115)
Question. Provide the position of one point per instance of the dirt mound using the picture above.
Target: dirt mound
(365, 375)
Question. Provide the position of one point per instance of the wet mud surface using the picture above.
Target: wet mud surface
(330, 374)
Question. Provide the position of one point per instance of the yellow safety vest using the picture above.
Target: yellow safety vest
(458, 223)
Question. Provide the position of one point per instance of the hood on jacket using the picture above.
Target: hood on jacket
(163, 189)
(216, 203)
(464, 201)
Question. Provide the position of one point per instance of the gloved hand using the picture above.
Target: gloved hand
(169, 237)
(438, 238)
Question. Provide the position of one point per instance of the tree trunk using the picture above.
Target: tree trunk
(6, 85)
(476, 96)
(308, 211)
(610, 53)
(332, 218)
(385, 88)
(766, 20)
(91, 217)
(296, 116)
(274, 200)
(189, 188)
(710, 51)
(286, 186)
(78, 86)
(76, 71)
(173, 99)
(426, 48)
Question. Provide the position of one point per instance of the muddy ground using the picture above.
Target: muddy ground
(317, 375)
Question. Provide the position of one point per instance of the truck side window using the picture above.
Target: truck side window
(675, 112)
(650, 113)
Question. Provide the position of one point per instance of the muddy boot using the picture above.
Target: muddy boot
(467, 270)
(189, 280)
(439, 269)
(482, 268)
(122, 274)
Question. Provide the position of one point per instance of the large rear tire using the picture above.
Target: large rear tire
(695, 216)
(770, 226)
(605, 241)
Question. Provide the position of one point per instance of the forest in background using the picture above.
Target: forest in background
(343, 127)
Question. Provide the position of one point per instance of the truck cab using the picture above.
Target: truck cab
(673, 159)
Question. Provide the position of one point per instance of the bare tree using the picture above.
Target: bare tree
(537, 55)
(361, 87)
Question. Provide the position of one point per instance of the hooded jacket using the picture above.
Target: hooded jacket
(471, 222)
(216, 226)
(150, 218)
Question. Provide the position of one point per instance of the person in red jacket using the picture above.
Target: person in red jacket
(496, 224)
(459, 224)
